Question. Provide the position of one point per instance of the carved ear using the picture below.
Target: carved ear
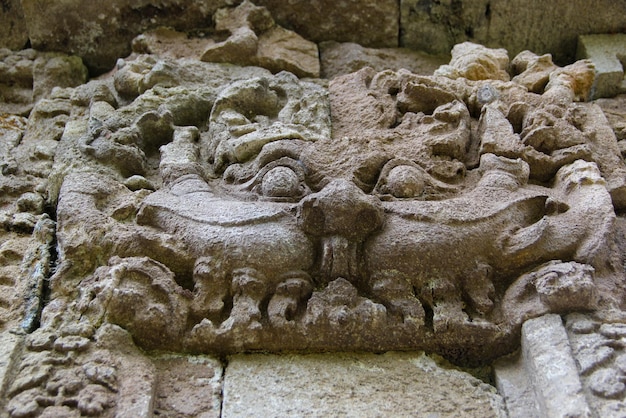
(524, 238)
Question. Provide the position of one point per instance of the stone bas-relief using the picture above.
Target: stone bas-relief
(208, 208)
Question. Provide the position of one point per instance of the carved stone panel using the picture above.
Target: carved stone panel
(208, 208)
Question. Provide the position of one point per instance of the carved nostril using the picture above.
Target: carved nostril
(340, 209)
(368, 220)
(312, 218)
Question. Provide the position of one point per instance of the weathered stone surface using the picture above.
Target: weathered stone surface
(100, 33)
(188, 386)
(215, 209)
(252, 39)
(25, 232)
(27, 76)
(476, 62)
(369, 23)
(551, 368)
(605, 51)
(10, 347)
(13, 31)
(202, 207)
(344, 58)
(532, 71)
(512, 380)
(168, 43)
(599, 349)
(615, 111)
(353, 385)
(256, 40)
(542, 27)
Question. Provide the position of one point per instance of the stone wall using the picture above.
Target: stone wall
(100, 33)
(261, 209)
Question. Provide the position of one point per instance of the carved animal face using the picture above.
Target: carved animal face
(389, 211)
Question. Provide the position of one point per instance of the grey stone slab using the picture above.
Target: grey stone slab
(514, 386)
(353, 385)
(551, 368)
(607, 53)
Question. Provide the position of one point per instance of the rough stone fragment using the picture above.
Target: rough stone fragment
(370, 23)
(435, 26)
(551, 368)
(353, 385)
(136, 375)
(591, 351)
(600, 354)
(167, 42)
(532, 71)
(615, 331)
(256, 40)
(476, 62)
(71, 343)
(13, 31)
(280, 49)
(24, 404)
(605, 51)
(572, 83)
(344, 58)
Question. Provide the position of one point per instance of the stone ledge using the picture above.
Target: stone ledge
(607, 52)
(353, 385)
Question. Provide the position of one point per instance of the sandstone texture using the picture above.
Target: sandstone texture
(368, 23)
(28, 76)
(567, 367)
(208, 197)
(605, 51)
(353, 385)
(348, 57)
(252, 38)
(224, 206)
(542, 27)
(101, 32)
(13, 30)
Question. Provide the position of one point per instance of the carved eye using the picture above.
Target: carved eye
(280, 182)
(405, 181)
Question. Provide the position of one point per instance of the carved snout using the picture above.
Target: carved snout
(340, 209)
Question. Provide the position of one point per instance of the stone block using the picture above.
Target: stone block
(102, 32)
(348, 57)
(13, 32)
(369, 23)
(517, 25)
(607, 52)
(353, 385)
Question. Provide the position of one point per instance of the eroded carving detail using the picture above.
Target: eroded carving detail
(391, 211)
